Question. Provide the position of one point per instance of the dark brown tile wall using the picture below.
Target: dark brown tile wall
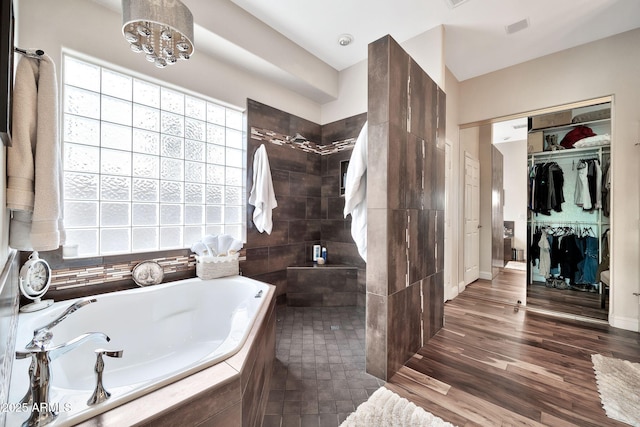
(322, 286)
(306, 184)
(405, 208)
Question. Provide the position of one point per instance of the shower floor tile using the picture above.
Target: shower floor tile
(319, 373)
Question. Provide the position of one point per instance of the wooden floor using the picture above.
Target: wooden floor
(495, 364)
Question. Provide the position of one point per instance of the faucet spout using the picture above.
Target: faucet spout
(43, 335)
(60, 349)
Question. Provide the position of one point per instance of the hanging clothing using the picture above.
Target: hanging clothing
(604, 263)
(571, 256)
(588, 266)
(581, 196)
(545, 255)
(546, 182)
(606, 188)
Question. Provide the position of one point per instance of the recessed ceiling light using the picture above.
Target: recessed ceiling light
(345, 39)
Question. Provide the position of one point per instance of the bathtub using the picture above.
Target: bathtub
(167, 332)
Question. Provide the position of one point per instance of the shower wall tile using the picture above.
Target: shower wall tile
(376, 334)
(431, 242)
(430, 174)
(336, 231)
(279, 234)
(415, 167)
(416, 245)
(307, 187)
(439, 241)
(335, 208)
(377, 160)
(290, 208)
(397, 178)
(259, 262)
(403, 192)
(397, 257)
(276, 278)
(343, 129)
(314, 208)
(423, 103)
(433, 290)
(281, 182)
(344, 254)
(314, 164)
(404, 326)
(304, 230)
(263, 116)
(377, 252)
(281, 257)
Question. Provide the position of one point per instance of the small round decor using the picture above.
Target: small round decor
(34, 282)
(147, 273)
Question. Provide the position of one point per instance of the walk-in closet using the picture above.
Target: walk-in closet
(569, 189)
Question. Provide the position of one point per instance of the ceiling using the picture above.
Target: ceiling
(475, 38)
(273, 38)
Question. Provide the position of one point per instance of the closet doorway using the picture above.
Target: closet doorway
(563, 246)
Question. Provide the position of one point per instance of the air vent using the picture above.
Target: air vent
(517, 26)
(455, 3)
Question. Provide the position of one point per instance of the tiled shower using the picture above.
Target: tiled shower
(306, 180)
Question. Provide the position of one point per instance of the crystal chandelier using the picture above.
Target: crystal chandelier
(161, 29)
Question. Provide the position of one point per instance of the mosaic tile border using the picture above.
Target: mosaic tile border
(306, 146)
(69, 278)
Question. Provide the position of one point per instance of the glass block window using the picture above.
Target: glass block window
(147, 166)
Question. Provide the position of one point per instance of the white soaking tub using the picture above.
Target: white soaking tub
(167, 332)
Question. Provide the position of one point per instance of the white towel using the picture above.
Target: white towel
(34, 162)
(262, 195)
(355, 192)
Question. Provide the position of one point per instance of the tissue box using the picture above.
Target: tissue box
(219, 266)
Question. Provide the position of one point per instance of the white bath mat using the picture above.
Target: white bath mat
(386, 409)
(618, 384)
(516, 265)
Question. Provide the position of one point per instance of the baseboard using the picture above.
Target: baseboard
(628, 323)
(461, 287)
(486, 275)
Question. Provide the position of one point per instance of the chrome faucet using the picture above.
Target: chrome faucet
(43, 335)
(40, 375)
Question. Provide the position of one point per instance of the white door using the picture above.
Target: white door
(471, 219)
(450, 288)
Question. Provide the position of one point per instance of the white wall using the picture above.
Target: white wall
(91, 29)
(607, 67)
(427, 50)
(515, 182)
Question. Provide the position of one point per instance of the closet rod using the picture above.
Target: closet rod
(564, 222)
(31, 53)
(570, 152)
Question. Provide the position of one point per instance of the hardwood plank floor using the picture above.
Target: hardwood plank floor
(495, 364)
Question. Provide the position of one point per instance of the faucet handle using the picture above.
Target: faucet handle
(110, 353)
(100, 394)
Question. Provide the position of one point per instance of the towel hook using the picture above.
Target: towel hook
(31, 53)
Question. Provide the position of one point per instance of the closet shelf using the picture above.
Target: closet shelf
(569, 152)
(570, 126)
